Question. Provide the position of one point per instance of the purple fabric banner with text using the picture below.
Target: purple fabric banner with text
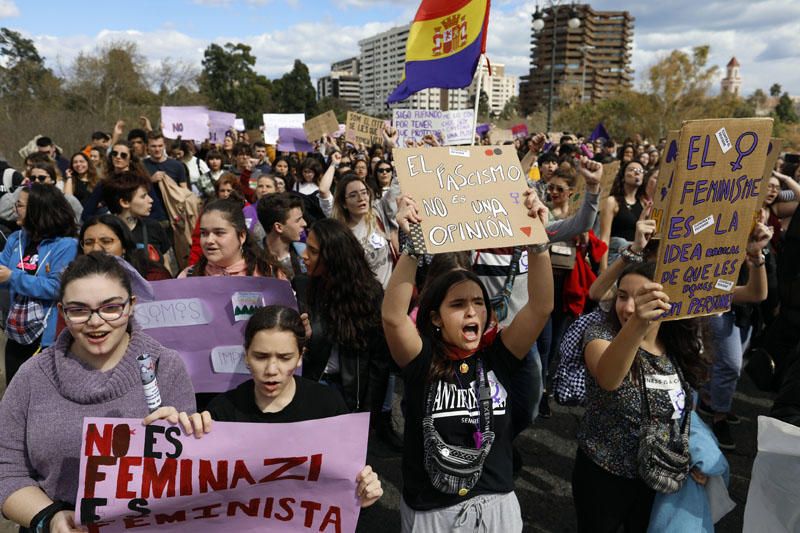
(203, 319)
(293, 140)
(239, 477)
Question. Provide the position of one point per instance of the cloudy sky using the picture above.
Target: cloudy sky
(763, 34)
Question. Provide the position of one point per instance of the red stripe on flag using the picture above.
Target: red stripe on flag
(486, 30)
(431, 9)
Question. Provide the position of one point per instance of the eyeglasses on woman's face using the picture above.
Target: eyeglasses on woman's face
(355, 195)
(79, 314)
(384, 170)
(121, 155)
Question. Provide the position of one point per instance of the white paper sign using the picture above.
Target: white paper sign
(239, 124)
(448, 127)
(275, 121)
(219, 123)
(245, 304)
(189, 122)
(228, 360)
(171, 313)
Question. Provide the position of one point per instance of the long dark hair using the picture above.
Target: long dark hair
(231, 210)
(618, 187)
(276, 317)
(430, 302)
(686, 341)
(131, 253)
(48, 215)
(135, 164)
(347, 295)
(91, 173)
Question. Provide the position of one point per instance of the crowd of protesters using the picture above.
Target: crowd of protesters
(477, 344)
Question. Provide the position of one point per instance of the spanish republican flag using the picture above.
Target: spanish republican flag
(445, 42)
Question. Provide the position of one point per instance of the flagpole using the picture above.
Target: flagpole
(477, 99)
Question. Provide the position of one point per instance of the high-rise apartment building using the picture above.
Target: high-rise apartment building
(592, 61)
(499, 87)
(343, 82)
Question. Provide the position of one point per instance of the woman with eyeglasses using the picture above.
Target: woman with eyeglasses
(47, 173)
(382, 180)
(620, 211)
(120, 159)
(109, 234)
(90, 371)
(30, 267)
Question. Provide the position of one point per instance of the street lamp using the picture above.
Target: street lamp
(584, 49)
(538, 25)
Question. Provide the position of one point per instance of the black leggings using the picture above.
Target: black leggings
(16, 354)
(604, 501)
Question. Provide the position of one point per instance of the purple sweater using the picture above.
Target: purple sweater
(41, 413)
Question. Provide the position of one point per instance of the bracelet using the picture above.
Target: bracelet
(41, 521)
(629, 256)
(539, 248)
(757, 262)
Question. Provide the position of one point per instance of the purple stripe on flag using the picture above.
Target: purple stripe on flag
(453, 72)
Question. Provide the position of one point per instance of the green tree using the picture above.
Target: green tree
(23, 75)
(679, 84)
(230, 83)
(110, 82)
(510, 109)
(339, 106)
(483, 106)
(293, 92)
(784, 111)
(775, 90)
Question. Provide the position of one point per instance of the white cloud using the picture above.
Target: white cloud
(8, 9)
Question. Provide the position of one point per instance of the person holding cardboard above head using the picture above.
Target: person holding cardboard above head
(457, 468)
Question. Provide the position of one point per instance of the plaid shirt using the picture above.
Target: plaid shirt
(569, 383)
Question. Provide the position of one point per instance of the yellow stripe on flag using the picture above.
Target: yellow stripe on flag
(446, 36)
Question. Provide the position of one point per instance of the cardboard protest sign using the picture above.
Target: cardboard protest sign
(293, 140)
(447, 127)
(773, 152)
(275, 121)
(363, 129)
(238, 477)
(197, 317)
(610, 172)
(500, 135)
(188, 122)
(666, 177)
(219, 124)
(321, 125)
(708, 220)
(469, 198)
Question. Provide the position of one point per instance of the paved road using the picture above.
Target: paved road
(543, 487)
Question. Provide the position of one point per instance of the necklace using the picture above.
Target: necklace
(477, 436)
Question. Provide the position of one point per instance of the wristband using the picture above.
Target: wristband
(629, 256)
(757, 262)
(41, 521)
(539, 248)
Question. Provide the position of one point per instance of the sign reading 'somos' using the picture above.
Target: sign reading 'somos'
(469, 197)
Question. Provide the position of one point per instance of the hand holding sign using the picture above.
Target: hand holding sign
(407, 213)
(759, 239)
(196, 424)
(645, 228)
(536, 209)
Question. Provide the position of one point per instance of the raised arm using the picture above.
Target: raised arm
(524, 329)
(644, 231)
(756, 288)
(401, 334)
(609, 362)
(607, 212)
(326, 182)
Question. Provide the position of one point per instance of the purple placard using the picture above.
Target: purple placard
(195, 316)
(293, 140)
(299, 477)
(482, 129)
(219, 123)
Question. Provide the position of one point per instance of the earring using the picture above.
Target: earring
(437, 329)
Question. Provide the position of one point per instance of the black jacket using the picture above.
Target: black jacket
(364, 373)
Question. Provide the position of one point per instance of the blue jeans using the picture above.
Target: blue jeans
(525, 390)
(727, 364)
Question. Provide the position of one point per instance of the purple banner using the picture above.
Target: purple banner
(482, 129)
(203, 319)
(293, 140)
(239, 477)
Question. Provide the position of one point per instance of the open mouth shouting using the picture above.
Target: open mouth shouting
(471, 332)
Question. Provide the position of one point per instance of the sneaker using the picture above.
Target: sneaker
(723, 433)
(704, 409)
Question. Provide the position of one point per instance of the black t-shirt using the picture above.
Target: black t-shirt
(311, 401)
(30, 259)
(455, 413)
(155, 236)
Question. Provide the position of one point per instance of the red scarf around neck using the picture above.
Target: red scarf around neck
(455, 353)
